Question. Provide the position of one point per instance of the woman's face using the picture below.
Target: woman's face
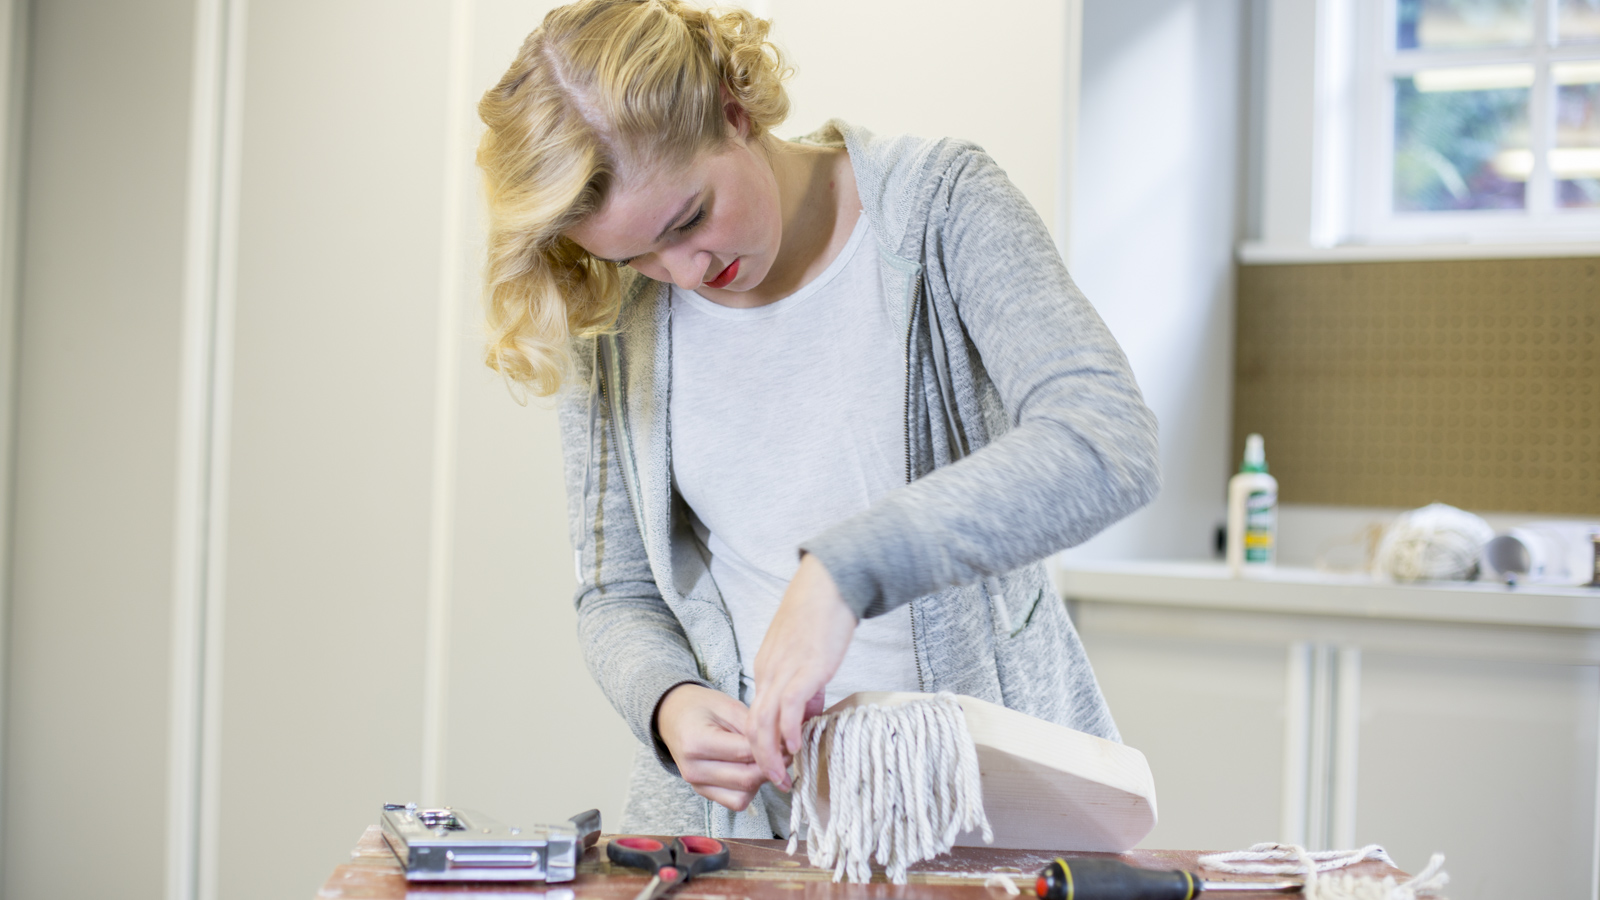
(713, 226)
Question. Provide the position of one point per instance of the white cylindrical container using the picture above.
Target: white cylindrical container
(1544, 553)
(1252, 512)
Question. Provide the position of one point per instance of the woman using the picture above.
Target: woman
(825, 404)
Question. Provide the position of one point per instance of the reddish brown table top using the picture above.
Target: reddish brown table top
(759, 869)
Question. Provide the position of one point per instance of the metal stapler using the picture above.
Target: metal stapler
(461, 845)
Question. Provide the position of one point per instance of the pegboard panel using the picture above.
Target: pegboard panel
(1473, 383)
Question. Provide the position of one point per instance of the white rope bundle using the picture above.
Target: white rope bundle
(903, 783)
(1435, 543)
(1345, 886)
(1290, 859)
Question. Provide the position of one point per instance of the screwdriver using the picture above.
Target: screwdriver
(1107, 879)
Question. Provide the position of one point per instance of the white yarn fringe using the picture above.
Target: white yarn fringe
(903, 783)
(1290, 859)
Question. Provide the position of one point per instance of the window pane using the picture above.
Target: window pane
(1462, 24)
(1575, 159)
(1578, 21)
(1460, 149)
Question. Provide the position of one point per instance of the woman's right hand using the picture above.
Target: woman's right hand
(704, 729)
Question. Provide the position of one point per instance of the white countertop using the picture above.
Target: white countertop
(1310, 592)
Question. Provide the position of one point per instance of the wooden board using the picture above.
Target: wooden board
(1046, 786)
(759, 870)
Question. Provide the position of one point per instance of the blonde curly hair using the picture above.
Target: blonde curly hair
(599, 85)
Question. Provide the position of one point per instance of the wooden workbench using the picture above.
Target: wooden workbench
(759, 869)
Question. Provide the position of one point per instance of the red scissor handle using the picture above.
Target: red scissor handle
(643, 853)
(689, 855)
(697, 855)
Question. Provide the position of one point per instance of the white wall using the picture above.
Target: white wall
(13, 84)
(350, 444)
(329, 455)
(1155, 219)
(937, 68)
(275, 572)
(1287, 98)
(100, 313)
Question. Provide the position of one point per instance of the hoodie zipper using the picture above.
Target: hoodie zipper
(905, 420)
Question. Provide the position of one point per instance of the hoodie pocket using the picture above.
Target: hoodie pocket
(1013, 616)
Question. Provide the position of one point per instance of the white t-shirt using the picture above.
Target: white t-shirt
(786, 419)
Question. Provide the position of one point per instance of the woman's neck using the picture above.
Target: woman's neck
(819, 206)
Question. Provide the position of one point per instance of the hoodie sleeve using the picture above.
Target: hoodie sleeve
(635, 647)
(1080, 452)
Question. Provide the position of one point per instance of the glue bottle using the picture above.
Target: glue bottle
(1252, 512)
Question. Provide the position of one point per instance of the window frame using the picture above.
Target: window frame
(1375, 63)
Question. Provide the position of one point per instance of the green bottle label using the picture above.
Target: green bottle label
(1260, 517)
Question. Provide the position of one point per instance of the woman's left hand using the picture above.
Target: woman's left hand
(802, 650)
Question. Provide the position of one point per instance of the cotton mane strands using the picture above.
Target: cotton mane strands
(903, 784)
(897, 778)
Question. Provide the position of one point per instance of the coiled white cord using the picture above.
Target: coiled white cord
(1291, 859)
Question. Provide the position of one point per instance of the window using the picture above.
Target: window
(1476, 120)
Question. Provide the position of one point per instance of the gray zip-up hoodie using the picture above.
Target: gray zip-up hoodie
(1025, 434)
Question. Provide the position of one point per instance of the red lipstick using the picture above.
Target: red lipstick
(726, 277)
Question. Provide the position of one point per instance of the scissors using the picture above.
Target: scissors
(688, 856)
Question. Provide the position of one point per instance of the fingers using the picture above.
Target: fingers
(763, 731)
(792, 718)
(703, 731)
(717, 744)
(734, 800)
(814, 706)
(803, 647)
(726, 711)
(697, 722)
(790, 715)
(718, 733)
(775, 729)
(743, 778)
